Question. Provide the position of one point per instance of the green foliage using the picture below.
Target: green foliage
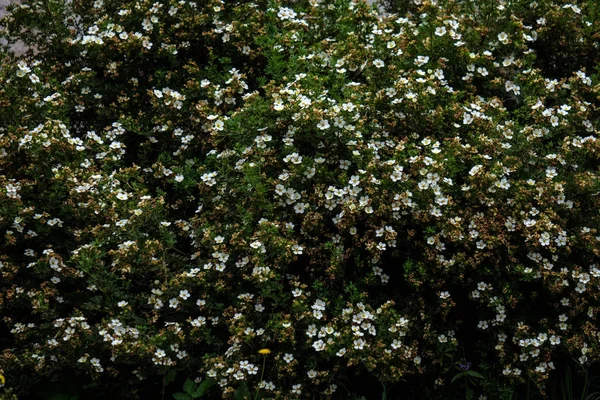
(370, 197)
(192, 390)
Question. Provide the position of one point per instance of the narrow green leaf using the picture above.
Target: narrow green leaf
(460, 374)
(475, 374)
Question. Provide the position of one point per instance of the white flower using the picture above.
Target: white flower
(122, 303)
(347, 107)
(563, 317)
(323, 124)
(288, 358)
(319, 345)
(378, 63)
(440, 31)
(319, 305)
(359, 344)
(219, 125)
(96, 364)
(299, 208)
(278, 105)
(23, 69)
(286, 13)
(122, 196)
(475, 170)
(544, 239)
(296, 389)
(208, 178)
(294, 158)
(305, 102)
(421, 60)
(184, 294)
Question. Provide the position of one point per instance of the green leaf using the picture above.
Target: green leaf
(181, 396)
(475, 374)
(242, 392)
(189, 386)
(202, 388)
(460, 374)
(170, 376)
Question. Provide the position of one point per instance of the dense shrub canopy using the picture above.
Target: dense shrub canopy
(371, 198)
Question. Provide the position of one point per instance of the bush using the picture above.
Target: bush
(377, 201)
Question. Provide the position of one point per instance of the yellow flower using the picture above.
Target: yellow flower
(2, 380)
(264, 351)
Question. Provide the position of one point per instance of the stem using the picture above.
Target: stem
(181, 252)
(384, 393)
(262, 374)
(163, 386)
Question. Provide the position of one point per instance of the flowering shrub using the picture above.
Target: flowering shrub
(382, 197)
